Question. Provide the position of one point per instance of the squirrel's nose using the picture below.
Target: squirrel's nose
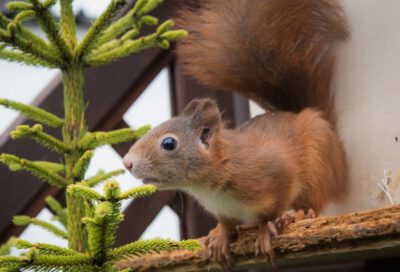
(128, 162)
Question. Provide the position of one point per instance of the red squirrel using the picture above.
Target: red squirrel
(279, 53)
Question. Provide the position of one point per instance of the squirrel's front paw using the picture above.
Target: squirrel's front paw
(265, 233)
(217, 244)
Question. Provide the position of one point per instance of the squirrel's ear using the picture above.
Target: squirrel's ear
(190, 108)
(205, 116)
(204, 112)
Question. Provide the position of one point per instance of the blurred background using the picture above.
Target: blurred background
(153, 106)
(31, 85)
(150, 87)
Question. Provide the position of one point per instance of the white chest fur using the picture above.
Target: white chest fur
(223, 204)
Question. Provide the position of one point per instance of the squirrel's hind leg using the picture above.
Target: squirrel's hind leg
(289, 217)
(285, 219)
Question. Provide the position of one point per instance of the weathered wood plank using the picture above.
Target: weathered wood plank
(358, 236)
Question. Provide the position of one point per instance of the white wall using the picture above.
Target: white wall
(367, 88)
(367, 93)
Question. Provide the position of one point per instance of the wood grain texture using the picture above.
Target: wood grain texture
(357, 236)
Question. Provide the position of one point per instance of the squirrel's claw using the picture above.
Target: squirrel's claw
(263, 246)
(272, 228)
(217, 244)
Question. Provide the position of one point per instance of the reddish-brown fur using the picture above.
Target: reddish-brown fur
(279, 53)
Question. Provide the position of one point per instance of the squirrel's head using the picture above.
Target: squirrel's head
(181, 150)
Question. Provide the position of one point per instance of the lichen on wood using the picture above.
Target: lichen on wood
(362, 235)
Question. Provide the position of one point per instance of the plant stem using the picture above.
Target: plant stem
(73, 130)
(74, 127)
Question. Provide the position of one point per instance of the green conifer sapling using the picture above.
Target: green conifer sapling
(90, 219)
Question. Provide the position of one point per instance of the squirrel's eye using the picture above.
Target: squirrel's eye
(169, 144)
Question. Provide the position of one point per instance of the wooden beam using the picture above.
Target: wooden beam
(146, 74)
(139, 215)
(358, 236)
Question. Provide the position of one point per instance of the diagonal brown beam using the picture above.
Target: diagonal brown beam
(139, 215)
(106, 88)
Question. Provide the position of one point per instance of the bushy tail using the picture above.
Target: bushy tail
(277, 52)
